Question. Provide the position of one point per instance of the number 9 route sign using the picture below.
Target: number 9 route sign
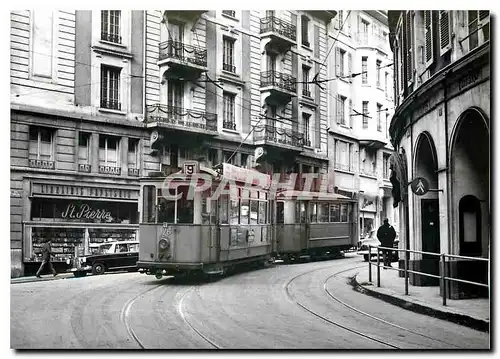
(420, 186)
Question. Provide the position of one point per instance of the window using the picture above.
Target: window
(229, 119)
(305, 81)
(108, 151)
(213, 156)
(342, 155)
(40, 143)
(305, 120)
(429, 51)
(110, 87)
(43, 61)
(341, 109)
(305, 30)
(228, 157)
(110, 26)
(478, 24)
(335, 213)
(364, 69)
(84, 147)
(386, 82)
(228, 55)
(365, 114)
(231, 13)
(340, 18)
(175, 95)
(133, 153)
(387, 125)
(379, 117)
(378, 73)
(386, 166)
(342, 62)
(364, 30)
(409, 46)
(344, 207)
(244, 160)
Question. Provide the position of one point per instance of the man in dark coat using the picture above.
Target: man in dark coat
(46, 253)
(386, 235)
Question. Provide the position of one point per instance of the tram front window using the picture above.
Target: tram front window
(185, 206)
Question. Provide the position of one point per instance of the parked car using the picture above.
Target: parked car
(110, 256)
(371, 239)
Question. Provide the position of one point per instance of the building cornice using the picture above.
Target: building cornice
(431, 86)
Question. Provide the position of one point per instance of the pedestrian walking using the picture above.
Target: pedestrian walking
(46, 253)
(386, 235)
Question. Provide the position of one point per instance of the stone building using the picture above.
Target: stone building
(441, 132)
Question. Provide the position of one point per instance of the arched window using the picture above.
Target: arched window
(470, 226)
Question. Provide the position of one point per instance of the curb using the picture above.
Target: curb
(35, 279)
(461, 319)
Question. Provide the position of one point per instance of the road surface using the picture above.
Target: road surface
(299, 306)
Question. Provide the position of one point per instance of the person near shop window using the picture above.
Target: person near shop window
(386, 235)
(46, 253)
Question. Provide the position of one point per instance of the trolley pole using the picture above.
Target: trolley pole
(369, 263)
(378, 267)
(443, 277)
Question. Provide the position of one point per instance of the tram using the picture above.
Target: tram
(311, 225)
(204, 221)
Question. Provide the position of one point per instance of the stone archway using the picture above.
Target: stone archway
(426, 212)
(470, 205)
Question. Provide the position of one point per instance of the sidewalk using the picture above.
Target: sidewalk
(474, 313)
(45, 277)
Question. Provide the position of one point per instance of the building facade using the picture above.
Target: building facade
(100, 98)
(360, 107)
(441, 132)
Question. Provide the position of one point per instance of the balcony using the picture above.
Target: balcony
(134, 172)
(111, 104)
(229, 125)
(183, 59)
(110, 170)
(279, 138)
(84, 167)
(279, 35)
(187, 15)
(43, 164)
(278, 88)
(229, 68)
(111, 37)
(181, 119)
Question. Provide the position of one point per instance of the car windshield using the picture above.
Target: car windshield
(104, 249)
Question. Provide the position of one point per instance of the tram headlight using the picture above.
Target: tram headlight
(163, 244)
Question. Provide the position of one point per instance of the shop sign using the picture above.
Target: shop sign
(367, 204)
(82, 191)
(86, 212)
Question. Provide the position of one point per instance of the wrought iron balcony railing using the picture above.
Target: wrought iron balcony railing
(111, 104)
(111, 37)
(306, 92)
(278, 79)
(277, 25)
(229, 125)
(181, 117)
(110, 170)
(183, 52)
(270, 133)
(229, 67)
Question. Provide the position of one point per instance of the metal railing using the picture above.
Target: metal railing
(442, 277)
(278, 79)
(183, 52)
(287, 135)
(277, 25)
(183, 117)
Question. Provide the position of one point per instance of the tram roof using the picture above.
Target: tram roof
(307, 195)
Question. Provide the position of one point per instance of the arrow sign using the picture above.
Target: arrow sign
(420, 186)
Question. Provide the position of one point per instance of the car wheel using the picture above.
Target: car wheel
(98, 268)
(365, 256)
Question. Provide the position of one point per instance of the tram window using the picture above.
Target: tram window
(223, 210)
(280, 212)
(323, 213)
(185, 206)
(205, 211)
(234, 212)
(262, 212)
(300, 212)
(254, 212)
(166, 211)
(314, 213)
(149, 201)
(334, 213)
(343, 212)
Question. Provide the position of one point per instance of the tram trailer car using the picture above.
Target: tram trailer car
(204, 236)
(313, 225)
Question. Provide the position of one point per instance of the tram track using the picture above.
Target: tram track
(335, 298)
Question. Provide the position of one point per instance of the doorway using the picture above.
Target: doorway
(430, 227)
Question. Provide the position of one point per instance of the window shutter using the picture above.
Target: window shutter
(429, 54)
(401, 60)
(337, 62)
(444, 31)
(350, 113)
(339, 105)
(349, 65)
(409, 46)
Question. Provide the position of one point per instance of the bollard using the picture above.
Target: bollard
(443, 275)
(407, 254)
(378, 267)
(369, 263)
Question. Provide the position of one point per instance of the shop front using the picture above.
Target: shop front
(77, 218)
(367, 215)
